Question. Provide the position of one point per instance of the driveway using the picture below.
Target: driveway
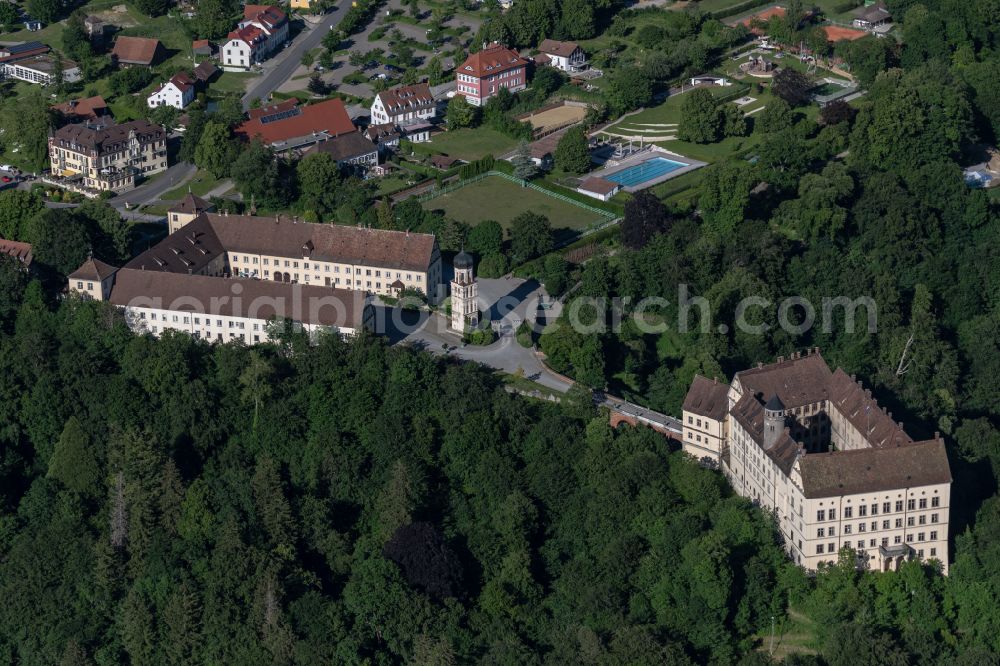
(151, 191)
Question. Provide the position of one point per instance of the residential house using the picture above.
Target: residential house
(106, 157)
(386, 136)
(567, 56)
(177, 92)
(84, 109)
(412, 108)
(290, 126)
(353, 150)
(484, 73)
(814, 448)
(599, 188)
(136, 51)
(263, 30)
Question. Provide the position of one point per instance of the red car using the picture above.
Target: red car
(6, 179)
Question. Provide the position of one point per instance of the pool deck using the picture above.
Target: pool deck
(650, 153)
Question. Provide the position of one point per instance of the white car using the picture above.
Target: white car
(6, 167)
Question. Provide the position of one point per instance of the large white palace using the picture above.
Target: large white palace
(814, 447)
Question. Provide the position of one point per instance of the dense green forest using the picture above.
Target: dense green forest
(171, 502)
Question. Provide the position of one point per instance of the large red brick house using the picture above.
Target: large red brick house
(484, 73)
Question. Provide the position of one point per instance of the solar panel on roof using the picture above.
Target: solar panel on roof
(281, 115)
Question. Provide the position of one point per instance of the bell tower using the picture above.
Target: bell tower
(464, 294)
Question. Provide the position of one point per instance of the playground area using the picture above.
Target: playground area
(551, 118)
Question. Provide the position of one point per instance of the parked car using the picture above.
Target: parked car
(6, 179)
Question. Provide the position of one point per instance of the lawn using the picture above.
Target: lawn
(202, 183)
(499, 199)
(472, 144)
(231, 82)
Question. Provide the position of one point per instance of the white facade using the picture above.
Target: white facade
(40, 71)
(464, 295)
(238, 55)
(215, 327)
(170, 94)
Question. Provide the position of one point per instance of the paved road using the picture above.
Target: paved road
(278, 69)
(147, 193)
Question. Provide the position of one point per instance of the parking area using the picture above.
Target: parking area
(381, 39)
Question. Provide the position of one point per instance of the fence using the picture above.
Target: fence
(608, 215)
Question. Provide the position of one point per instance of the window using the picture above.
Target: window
(909, 521)
(899, 505)
(920, 536)
(821, 515)
(897, 539)
(933, 552)
(874, 509)
(863, 510)
(886, 507)
(819, 549)
(923, 503)
(935, 501)
(933, 536)
(832, 531)
(831, 548)
(848, 512)
(899, 522)
(833, 515)
(911, 505)
(79, 285)
(909, 538)
(922, 520)
(934, 517)
(847, 529)
(885, 524)
(821, 532)
(861, 544)
(862, 527)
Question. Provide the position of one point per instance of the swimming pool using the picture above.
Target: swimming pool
(645, 171)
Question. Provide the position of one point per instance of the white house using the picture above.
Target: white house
(567, 56)
(263, 30)
(41, 69)
(178, 92)
(599, 188)
(403, 105)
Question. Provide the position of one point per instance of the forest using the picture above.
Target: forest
(166, 501)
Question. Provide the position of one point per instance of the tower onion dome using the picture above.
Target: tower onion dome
(462, 260)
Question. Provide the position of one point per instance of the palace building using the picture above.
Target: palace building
(813, 446)
(284, 249)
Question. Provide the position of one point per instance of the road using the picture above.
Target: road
(151, 191)
(277, 70)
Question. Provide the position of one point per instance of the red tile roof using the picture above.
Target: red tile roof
(181, 81)
(18, 250)
(561, 49)
(92, 269)
(491, 60)
(87, 107)
(287, 120)
(707, 397)
(407, 98)
(268, 15)
(136, 50)
(249, 34)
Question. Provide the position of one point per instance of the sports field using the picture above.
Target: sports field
(557, 117)
(499, 199)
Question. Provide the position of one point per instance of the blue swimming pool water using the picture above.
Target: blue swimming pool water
(645, 171)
